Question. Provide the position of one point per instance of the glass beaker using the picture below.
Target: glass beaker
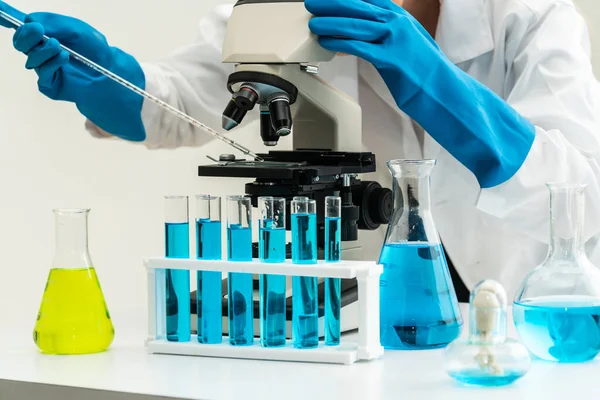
(240, 286)
(271, 249)
(73, 317)
(557, 309)
(209, 293)
(177, 245)
(418, 304)
(305, 289)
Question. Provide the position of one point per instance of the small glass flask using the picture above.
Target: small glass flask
(73, 317)
(557, 309)
(487, 357)
(418, 304)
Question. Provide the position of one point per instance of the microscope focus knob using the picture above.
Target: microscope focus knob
(376, 205)
(381, 205)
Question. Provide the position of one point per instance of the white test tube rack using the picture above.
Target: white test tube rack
(366, 347)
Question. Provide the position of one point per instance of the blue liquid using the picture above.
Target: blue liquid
(560, 328)
(476, 377)
(241, 304)
(332, 286)
(209, 293)
(177, 245)
(272, 289)
(304, 238)
(305, 300)
(418, 305)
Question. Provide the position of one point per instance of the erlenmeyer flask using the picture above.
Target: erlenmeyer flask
(418, 304)
(557, 309)
(73, 317)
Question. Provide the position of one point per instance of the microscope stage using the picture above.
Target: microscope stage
(303, 167)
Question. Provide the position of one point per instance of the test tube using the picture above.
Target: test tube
(305, 299)
(333, 214)
(240, 285)
(208, 247)
(271, 249)
(177, 245)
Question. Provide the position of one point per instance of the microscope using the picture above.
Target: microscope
(276, 69)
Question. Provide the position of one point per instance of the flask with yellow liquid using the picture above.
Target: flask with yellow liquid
(73, 317)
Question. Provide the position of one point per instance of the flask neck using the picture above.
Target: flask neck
(71, 243)
(566, 222)
(412, 193)
(412, 220)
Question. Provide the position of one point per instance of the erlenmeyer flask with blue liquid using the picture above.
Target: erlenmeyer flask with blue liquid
(418, 304)
(557, 309)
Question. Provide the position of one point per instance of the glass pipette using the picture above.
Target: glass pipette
(143, 93)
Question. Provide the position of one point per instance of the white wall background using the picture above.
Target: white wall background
(47, 160)
(591, 12)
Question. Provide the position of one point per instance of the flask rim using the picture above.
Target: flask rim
(237, 197)
(71, 211)
(402, 161)
(271, 198)
(207, 197)
(565, 185)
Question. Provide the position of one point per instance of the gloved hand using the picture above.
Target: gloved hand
(107, 104)
(477, 127)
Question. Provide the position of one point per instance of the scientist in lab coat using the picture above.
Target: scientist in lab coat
(500, 92)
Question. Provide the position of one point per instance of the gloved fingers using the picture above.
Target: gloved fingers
(64, 28)
(386, 4)
(28, 36)
(41, 54)
(10, 11)
(48, 72)
(346, 8)
(356, 48)
(391, 6)
(75, 34)
(349, 28)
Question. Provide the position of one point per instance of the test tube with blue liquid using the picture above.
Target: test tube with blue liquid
(305, 300)
(271, 249)
(208, 247)
(177, 245)
(240, 285)
(333, 214)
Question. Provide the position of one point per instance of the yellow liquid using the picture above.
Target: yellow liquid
(73, 317)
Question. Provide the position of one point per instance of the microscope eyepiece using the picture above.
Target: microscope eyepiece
(281, 115)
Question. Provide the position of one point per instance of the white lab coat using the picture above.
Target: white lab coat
(535, 54)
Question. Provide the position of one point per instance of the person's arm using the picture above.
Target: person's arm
(193, 80)
(551, 83)
(549, 130)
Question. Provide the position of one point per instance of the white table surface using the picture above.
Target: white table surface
(126, 369)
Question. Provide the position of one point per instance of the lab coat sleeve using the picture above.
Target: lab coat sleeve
(551, 83)
(192, 79)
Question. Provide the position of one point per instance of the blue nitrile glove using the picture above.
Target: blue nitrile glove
(107, 104)
(477, 127)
